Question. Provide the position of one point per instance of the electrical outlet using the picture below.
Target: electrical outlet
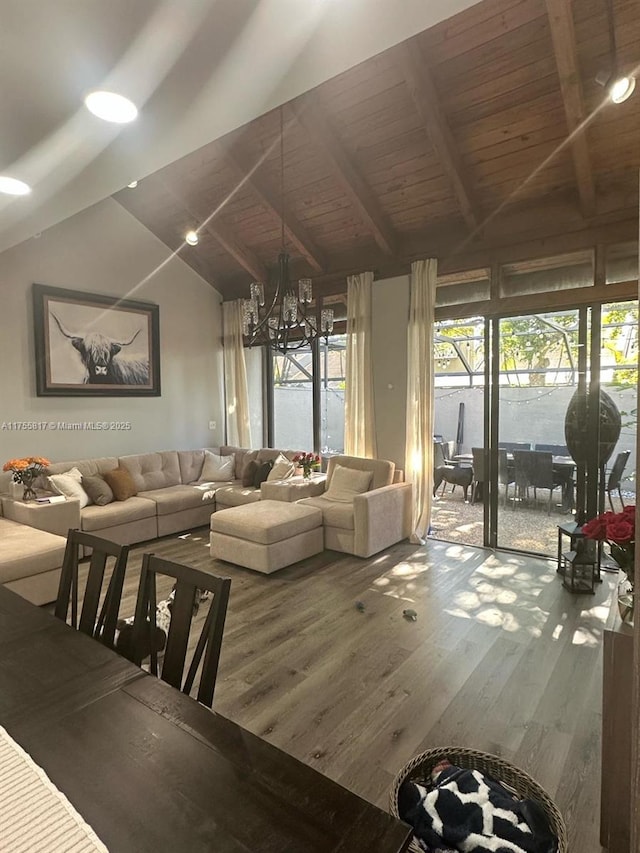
(212, 424)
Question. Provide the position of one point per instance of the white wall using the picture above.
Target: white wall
(106, 250)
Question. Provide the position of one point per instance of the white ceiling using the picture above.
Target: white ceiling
(196, 68)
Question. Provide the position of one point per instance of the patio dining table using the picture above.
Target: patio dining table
(563, 469)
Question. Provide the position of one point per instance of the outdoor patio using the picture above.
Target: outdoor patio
(525, 527)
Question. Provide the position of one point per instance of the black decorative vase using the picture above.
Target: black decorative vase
(576, 426)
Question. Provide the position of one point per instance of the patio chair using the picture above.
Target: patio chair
(522, 474)
(505, 473)
(615, 476)
(478, 471)
(446, 471)
(541, 474)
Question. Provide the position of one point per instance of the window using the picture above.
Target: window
(293, 400)
(332, 386)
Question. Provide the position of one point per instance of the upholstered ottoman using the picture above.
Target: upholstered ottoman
(266, 536)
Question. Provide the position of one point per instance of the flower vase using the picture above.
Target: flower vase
(306, 473)
(29, 493)
(626, 600)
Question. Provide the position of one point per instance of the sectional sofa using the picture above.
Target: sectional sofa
(172, 497)
(171, 494)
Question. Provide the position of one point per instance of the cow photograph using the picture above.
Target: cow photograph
(93, 345)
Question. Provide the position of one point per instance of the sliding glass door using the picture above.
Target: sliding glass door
(505, 389)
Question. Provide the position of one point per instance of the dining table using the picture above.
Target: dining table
(148, 768)
(563, 469)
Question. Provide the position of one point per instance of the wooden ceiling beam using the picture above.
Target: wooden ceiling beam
(221, 232)
(295, 232)
(564, 47)
(311, 115)
(423, 92)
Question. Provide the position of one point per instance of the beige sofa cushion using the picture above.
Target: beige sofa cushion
(153, 470)
(26, 551)
(346, 483)
(118, 512)
(267, 522)
(236, 495)
(334, 514)
(190, 462)
(382, 469)
(178, 498)
(69, 485)
(218, 468)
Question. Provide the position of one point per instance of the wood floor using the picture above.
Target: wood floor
(501, 658)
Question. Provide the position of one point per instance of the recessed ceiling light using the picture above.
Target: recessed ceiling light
(111, 107)
(621, 89)
(12, 186)
(191, 237)
(132, 185)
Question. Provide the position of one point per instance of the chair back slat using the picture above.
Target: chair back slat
(188, 582)
(92, 592)
(101, 626)
(178, 637)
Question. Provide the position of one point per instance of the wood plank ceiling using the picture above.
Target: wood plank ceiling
(467, 138)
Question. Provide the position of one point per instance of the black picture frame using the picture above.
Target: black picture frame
(90, 345)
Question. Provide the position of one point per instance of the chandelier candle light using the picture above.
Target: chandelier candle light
(288, 322)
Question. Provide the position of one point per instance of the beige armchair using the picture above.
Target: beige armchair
(363, 515)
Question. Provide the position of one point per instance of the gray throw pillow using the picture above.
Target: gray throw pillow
(262, 473)
(249, 475)
(98, 490)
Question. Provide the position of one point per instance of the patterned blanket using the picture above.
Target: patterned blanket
(463, 810)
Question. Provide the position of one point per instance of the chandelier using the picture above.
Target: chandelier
(288, 322)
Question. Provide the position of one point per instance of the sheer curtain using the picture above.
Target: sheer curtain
(235, 376)
(419, 435)
(359, 416)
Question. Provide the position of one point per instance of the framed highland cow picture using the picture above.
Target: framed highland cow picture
(95, 346)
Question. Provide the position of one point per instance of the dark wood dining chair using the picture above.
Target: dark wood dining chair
(101, 626)
(188, 585)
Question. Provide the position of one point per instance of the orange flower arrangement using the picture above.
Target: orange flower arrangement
(25, 471)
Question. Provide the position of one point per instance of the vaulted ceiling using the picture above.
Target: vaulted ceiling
(487, 130)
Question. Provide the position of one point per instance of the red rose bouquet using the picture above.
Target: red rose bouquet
(308, 462)
(619, 530)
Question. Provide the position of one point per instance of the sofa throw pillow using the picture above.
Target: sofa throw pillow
(249, 473)
(262, 472)
(121, 483)
(217, 468)
(282, 468)
(98, 490)
(346, 483)
(69, 484)
(247, 458)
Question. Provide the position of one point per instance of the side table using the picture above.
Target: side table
(53, 518)
(293, 488)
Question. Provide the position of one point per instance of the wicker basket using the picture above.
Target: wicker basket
(499, 769)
